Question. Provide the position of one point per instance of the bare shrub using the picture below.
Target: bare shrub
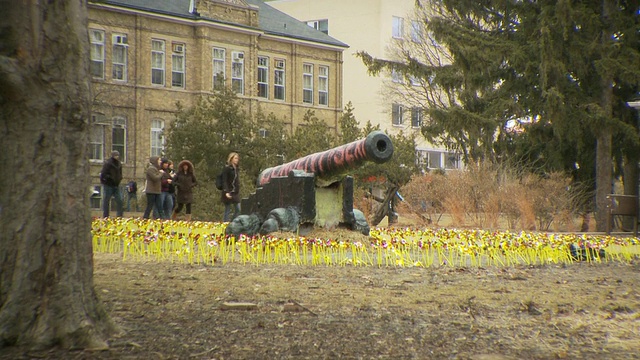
(488, 195)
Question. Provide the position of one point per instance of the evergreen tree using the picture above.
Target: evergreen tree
(568, 67)
(311, 136)
(349, 126)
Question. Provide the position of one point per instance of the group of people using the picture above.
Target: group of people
(169, 191)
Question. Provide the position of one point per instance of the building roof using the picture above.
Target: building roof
(271, 20)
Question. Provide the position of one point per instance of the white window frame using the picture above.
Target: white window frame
(320, 25)
(119, 65)
(178, 65)
(421, 159)
(451, 161)
(397, 27)
(279, 77)
(119, 126)
(218, 69)
(416, 117)
(96, 137)
(323, 85)
(396, 76)
(307, 83)
(263, 77)
(157, 137)
(416, 32)
(397, 114)
(237, 72)
(158, 61)
(434, 159)
(95, 200)
(96, 37)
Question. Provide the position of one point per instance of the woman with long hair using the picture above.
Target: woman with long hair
(231, 187)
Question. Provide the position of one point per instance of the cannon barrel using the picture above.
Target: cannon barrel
(376, 147)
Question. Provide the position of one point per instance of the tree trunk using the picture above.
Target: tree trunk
(604, 167)
(47, 295)
(604, 177)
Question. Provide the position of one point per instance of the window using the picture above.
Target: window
(278, 80)
(416, 117)
(157, 137)
(421, 159)
(397, 27)
(452, 161)
(157, 62)
(321, 25)
(177, 66)
(119, 58)
(263, 77)
(434, 159)
(416, 32)
(396, 77)
(237, 72)
(96, 137)
(396, 114)
(263, 133)
(119, 137)
(219, 68)
(96, 197)
(323, 85)
(97, 54)
(307, 83)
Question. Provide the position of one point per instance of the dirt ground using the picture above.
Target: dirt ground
(177, 311)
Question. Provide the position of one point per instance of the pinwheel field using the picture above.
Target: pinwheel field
(182, 291)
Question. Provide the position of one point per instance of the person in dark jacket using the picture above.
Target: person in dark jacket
(184, 181)
(165, 195)
(110, 177)
(153, 187)
(231, 187)
(172, 187)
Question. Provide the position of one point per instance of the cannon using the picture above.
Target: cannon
(376, 147)
(316, 189)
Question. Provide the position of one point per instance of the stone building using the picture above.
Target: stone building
(147, 55)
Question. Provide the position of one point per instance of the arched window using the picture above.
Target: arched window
(119, 137)
(96, 137)
(157, 137)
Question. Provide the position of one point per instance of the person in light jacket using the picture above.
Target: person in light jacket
(153, 188)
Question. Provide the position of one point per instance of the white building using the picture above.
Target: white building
(371, 26)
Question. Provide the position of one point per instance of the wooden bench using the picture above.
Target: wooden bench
(622, 205)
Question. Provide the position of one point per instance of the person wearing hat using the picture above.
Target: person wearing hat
(110, 178)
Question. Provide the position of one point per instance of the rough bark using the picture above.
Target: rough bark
(604, 177)
(604, 164)
(47, 295)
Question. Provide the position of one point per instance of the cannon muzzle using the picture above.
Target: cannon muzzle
(376, 147)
